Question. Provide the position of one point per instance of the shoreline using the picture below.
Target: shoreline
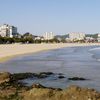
(8, 51)
(13, 88)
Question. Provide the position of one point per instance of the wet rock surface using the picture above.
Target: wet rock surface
(61, 76)
(21, 76)
(43, 74)
(77, 79)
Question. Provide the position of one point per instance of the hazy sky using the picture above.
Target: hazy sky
(58, 16)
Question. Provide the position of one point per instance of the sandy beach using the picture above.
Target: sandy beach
(7, 51)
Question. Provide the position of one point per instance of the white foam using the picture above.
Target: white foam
(95, 49)
(98, 60)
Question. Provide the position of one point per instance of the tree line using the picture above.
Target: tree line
(8, 40)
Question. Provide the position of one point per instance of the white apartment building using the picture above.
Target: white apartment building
(76, 36)
(99, 37)
(48, 35)
(8, 31)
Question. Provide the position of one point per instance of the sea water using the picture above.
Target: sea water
(71, 61)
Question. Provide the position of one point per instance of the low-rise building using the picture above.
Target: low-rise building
(76, 36)
(37, 38)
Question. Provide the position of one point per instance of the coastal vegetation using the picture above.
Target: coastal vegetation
(30, 38)
(8, 40)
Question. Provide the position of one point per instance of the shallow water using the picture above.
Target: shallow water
(72, 62)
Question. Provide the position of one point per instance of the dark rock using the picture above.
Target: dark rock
(43, 74)
(77, 79)
(21, 76)
(61, 76)
(40, 75)
(47, 73)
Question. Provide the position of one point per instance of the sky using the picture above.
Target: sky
(58, 16)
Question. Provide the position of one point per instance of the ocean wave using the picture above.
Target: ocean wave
(96, 53)
(98, 59)
(95, 49)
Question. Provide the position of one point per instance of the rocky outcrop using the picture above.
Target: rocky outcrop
(61, 76)
(78, 93)
(12, 89)
(77, 79)
(71, 93)
(5, 77)
(21, 76)
(43, 74)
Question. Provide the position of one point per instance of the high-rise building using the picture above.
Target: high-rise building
(48, 35)
(8, 31)
(76, 36)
